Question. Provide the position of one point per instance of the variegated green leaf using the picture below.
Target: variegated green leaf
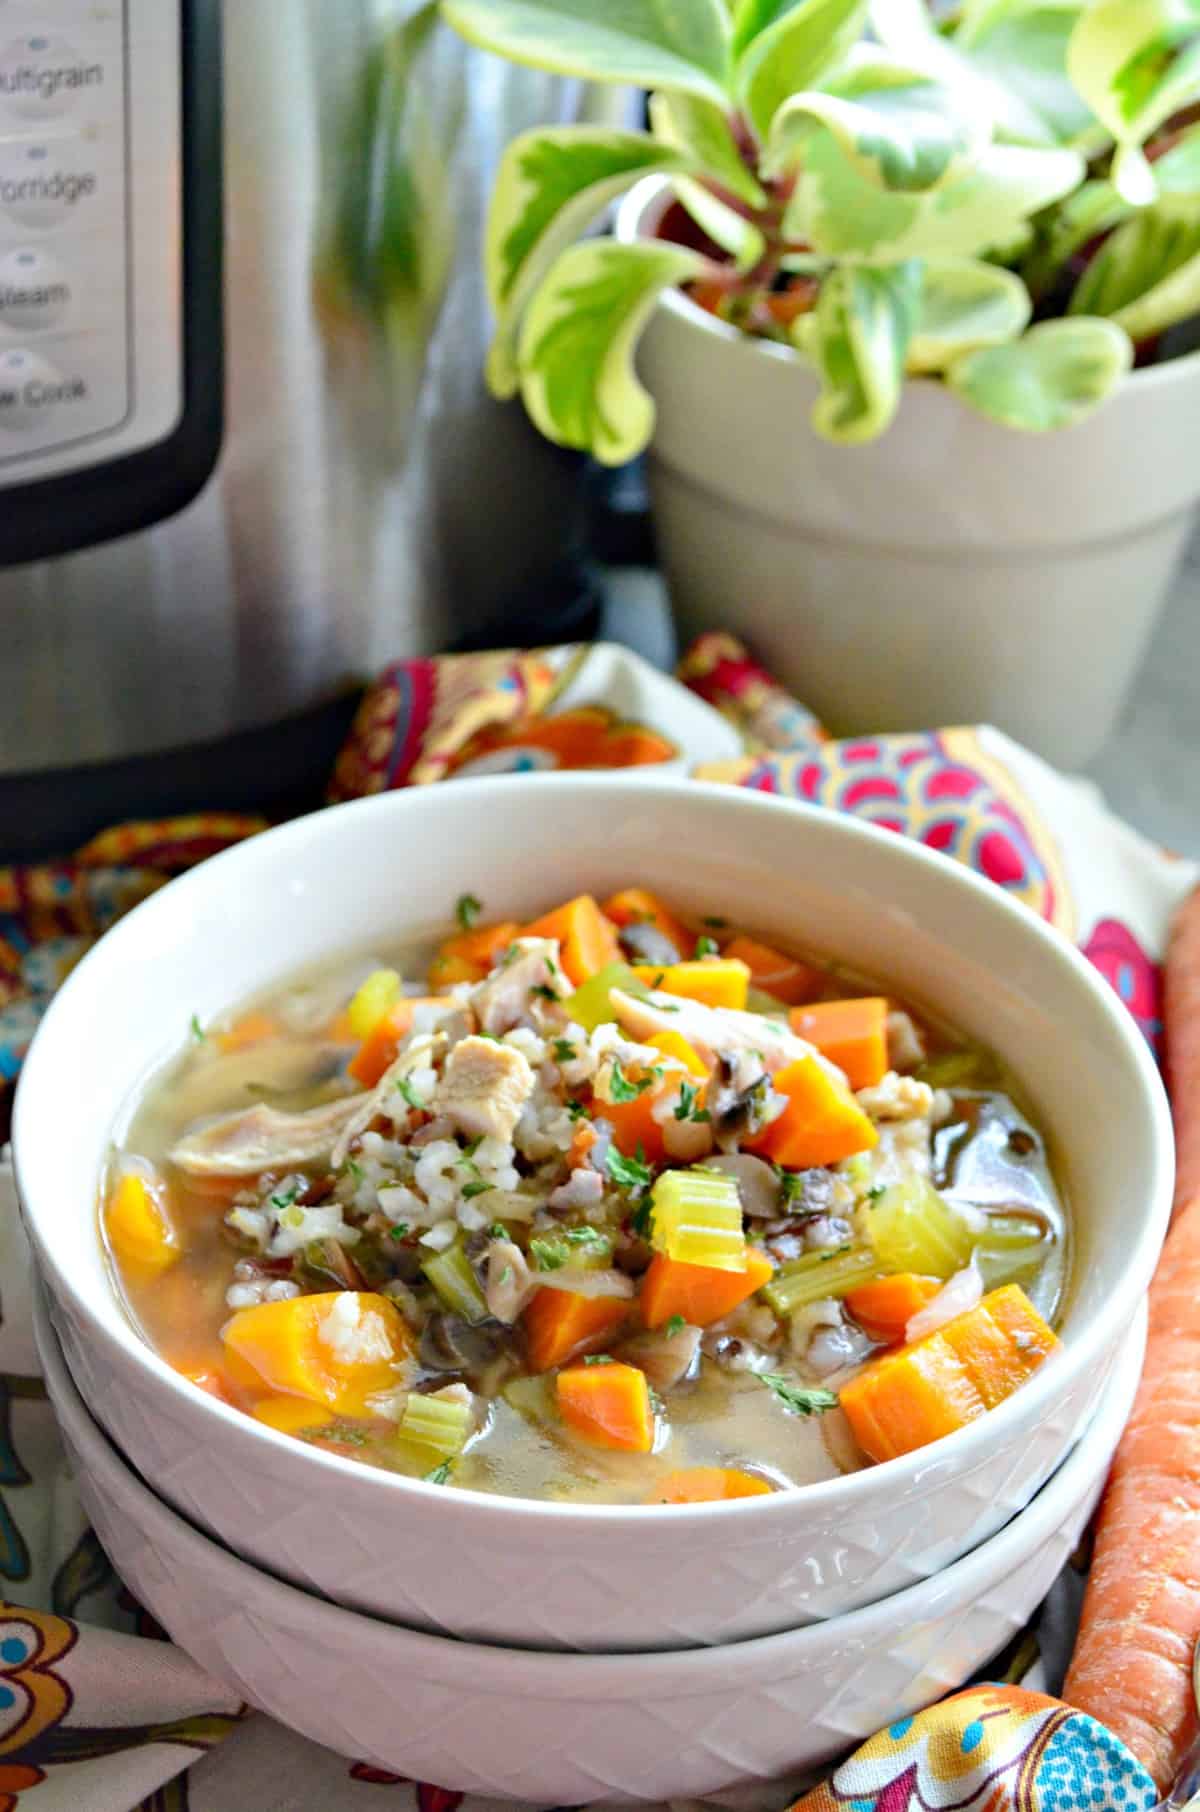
(1021, 46)
(1177, 171)
(906, 29)
(860, 337)
(1146, 275)
(735, 235)
(1055, 375)
(1064, 230)
(1136, 62)
(552, 183)
(965, 304)
(578, 341)
(898, 129)
(784, 46)
(650, 43)
(701, 130)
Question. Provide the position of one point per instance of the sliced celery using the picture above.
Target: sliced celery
(591, 1006)
(766, 1004)
(1012, 1250)
(531, 1398)
(819, 1275)
(442, 1424)
(452, 1277)
(698, 1219)
(960, 1069)
(378, 994)
(913, 1229)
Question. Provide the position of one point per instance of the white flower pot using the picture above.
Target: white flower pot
(953, 571)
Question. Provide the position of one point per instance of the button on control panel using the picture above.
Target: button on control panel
(90, 124)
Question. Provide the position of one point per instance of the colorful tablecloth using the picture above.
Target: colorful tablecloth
(98, 1713)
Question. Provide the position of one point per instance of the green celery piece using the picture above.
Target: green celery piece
(451, 1275)
(590, 1005)
(819, 1275)
(438, 1423)
(757, 1001)
(530, 1398)
(960, 1069)
(913, 1229)
(1012, 1250)
(698, 1219)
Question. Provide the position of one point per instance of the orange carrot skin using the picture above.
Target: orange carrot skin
(708, 1485)
(1181, 1005)
(635, 906)
(609, 1405)
(884, 1307)
(483, 945)
(786, 977)
(587, 940)
(1132, 1667)
(699, 1293)
(559, 1325)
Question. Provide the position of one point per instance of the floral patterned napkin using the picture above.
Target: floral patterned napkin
(98, 1713)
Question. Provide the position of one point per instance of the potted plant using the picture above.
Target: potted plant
(887, 281)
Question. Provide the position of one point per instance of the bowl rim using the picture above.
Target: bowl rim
(966, 1445)
(568, 1674)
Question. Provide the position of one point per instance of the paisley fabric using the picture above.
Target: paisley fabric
(97, 1712)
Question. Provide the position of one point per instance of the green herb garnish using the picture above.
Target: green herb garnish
(642, 1218)
(584, 1236)
(685, 1107)
(675, 1325)
(576, 1110)
(409, 1094)
(564, 1051)
(468, 910)
(791, 1186)
(286, 1199)
(399, 1231)
(706, 946)
(196, 1029)
(628, 1173)
(622, 1088)
(547, 1254)
(355, 1169)
(498, 1230)
(543, 992)
(798, 1399)
(717, 923)
(875, 1191)
(440, 1474)
(597, 1359)
(471, 1190)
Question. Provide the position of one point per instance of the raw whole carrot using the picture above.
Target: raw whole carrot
(608, 1405)
(716, 983)
(884, 1306)
(587, 940)
(700, 1293)
(708, 1485)
(821, 1124)
(635, 906)
(561, 1324)
(851, 1033)
(784, 977)
(1132, 1666)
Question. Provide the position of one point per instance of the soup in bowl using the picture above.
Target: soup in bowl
(406, 1301)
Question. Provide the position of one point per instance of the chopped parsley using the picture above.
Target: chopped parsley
(585, 1236)
(622, 1088)
(674, 1326)
(498, 1230)
(551, 965)
(575, 1110)
(659, 979)
(409, 1093)
(440, 1474)
(628, 1173)
(468, 910)
(355, 1169)
(642, 1219)
(543, 992)
(875, 1191)
(791, 1186)
(399, 1231)
(471, 1190)
(564, 1051)
(706, 946)
(598, 1359)
(547, 1254)
(472, 1146)
(685, 1107)
(798, 1399)
(196, 1029)
(506, 1274)
(285, 1198)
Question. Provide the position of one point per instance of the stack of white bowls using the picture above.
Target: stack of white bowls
(564, 1653)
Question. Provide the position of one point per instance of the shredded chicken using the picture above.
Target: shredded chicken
(262, 1138)
(483, 1089)
(417, 1053)
(713, 1031)
(503, 1000)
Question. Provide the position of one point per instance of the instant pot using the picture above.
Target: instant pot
(245, 450)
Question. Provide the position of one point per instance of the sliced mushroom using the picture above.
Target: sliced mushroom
(758, 1184)
(508, 1281)
(666, 1359)
(645, 943)
(450, 1344)
(262, 1138)
(502, 1001)
(278, 1066)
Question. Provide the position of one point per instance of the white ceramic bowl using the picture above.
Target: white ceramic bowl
(557, 1575)
(568, 1729)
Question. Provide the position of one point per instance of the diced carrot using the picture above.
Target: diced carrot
(587, 940)
(700, 1293)
(708, 1485)
(290, 1415)
(378, 1049)
(884, 1306)
(582, 1140)
(300, 1348)
(138, 1227)
(719, 983)
(851, 1033)
(634, 1126)
(908, 1398)
(785, 977)
(448, 971)
(341, 1031)
(205, 1377)
(674, 1044)
(252, 1028)
(635, 906)
(608, 1405)
(821, 1124)
(483, 945)
(560, 1324)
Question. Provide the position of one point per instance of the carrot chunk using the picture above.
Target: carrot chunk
(906, 1399)
(674, 1044)
(700, 1293)
(608, 1405)
(785, 977)
(635, 906)
(253, 1028)
(587, 940)
(290, 1415)
(560, 1324)
(821, 1124)
(482, 946)
(634, 1126)
(448, 971)
(715, 984)
(378, 1049)
(884, 1306)
(138, 1227)
(708, 1485)
(851, 1033)
(313, 1347)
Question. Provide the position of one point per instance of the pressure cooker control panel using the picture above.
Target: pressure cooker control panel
(91, 233)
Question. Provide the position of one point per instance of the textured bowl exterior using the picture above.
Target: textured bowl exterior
(535, 1574)
(570, 1729)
